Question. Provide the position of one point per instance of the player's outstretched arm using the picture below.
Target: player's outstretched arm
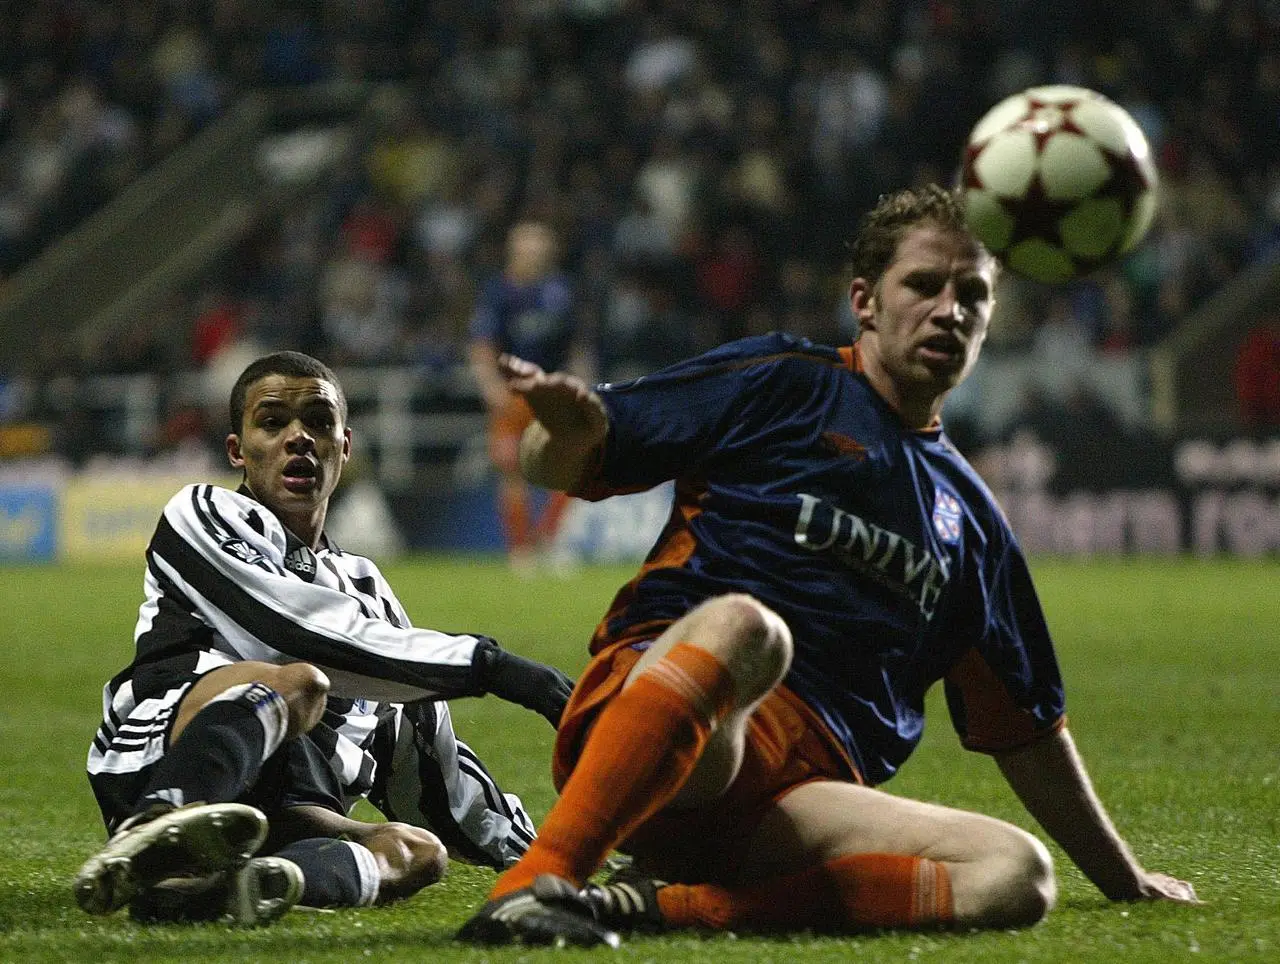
(1050, 779)
(570, 422)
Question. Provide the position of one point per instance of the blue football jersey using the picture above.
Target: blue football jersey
(879, 545)
(534, 320)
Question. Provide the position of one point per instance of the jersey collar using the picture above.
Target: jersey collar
(326, 544)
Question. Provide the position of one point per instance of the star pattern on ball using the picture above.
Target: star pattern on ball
(1033, 215)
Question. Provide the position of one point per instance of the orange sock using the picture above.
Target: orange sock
(641, 750)
(848, 893)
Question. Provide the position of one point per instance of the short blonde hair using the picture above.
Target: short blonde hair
(884, 226)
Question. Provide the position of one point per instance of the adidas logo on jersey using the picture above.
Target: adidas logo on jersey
(301, 561)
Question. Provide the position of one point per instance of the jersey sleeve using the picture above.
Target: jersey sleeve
(667, 424)
(225, 556)
(1006, 690)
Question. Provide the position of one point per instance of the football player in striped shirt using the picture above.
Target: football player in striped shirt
(828, 558)
(277, 680)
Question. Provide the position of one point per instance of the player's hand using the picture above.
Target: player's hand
(408, 858)
(526, 682)
(564, 404)
(1156, 886)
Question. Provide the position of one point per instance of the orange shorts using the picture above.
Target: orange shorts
(506, 425)
(787, 745)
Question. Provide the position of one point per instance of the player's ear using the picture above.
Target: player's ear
(346, 444)
(862, 302)
(233, 451)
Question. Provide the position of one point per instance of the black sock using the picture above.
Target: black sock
(220, 753)
(338, 873)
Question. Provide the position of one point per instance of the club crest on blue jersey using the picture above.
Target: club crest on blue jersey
(947, 517)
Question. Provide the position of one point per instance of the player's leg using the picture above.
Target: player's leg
(230, 721)
(517, 525)
(354, 864)
(301, 686)
(834, 855)
(548, 526)
(408, 858)
(198, 839)
(343, 862)
(386, 861)
(752, 645)
(514, 516)
(675, 733)
(315, 855)
(194, 752)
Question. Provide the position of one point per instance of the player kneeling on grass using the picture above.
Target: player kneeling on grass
(829, 557)
(276, 681)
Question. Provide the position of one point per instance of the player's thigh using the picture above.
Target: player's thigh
(826, 819)
(303, 687)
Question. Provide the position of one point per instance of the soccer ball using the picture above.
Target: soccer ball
(1058, 181)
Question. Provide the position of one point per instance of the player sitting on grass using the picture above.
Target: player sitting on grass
(277, 680)
(828, 558)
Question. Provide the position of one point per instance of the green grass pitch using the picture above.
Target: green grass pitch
(1173, 683)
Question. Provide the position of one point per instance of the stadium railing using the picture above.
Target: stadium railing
(408, 421)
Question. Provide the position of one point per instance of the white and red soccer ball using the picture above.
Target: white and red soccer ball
(1058, 182)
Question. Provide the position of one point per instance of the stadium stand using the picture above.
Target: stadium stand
(185, 181)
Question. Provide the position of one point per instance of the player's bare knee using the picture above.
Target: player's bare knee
(305, 689)
(1009, 883)
(758, 641)
(1039, 880)
(1030, 887)
(771, 641)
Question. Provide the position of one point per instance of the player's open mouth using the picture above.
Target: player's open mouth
(942, 348)
(300, 475)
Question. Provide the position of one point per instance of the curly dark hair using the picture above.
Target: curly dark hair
(894, 215)
(291, 363)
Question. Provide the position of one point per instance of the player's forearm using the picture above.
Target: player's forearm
(553, 461)
(1050, 779)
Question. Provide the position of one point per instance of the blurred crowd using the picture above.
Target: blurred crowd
(702, 162)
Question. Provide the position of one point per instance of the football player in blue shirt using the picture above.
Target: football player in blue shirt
(828, 558)
(526, 311)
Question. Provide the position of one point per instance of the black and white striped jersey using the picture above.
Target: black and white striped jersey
(223, 573)
(226, 581)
